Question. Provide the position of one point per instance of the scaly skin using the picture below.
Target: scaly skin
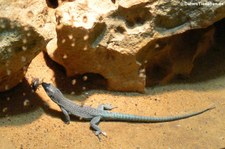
(100, 113)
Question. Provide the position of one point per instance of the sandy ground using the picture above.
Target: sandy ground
(31, 120)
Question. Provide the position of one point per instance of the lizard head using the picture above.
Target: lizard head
(35, 84)
(53, 92)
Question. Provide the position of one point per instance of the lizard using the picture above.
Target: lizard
(101, 112)
(35, 84)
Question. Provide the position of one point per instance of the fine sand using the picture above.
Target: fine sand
(32, 121)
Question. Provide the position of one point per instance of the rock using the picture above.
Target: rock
(130, 44)
(25, 28)
(18, 48)
(78, 50)
(176, 55)
(125, 41)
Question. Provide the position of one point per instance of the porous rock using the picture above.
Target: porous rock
(25, 28)
(129, 41)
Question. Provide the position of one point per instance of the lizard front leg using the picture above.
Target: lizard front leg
(66, 114)
(94, 124)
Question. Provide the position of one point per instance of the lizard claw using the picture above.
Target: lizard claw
(114, 107)
(97, 133)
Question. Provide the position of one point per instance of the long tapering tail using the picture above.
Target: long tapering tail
(136, 118)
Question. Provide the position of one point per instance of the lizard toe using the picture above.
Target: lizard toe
(104, 133)
(97, 133)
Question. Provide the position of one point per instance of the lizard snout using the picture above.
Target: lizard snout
(45, 85)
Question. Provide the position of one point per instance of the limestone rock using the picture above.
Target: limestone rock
(25, 28)
(125, 41)
(17, 49)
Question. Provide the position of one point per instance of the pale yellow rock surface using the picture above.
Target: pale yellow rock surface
(25, 29)
(123, 41)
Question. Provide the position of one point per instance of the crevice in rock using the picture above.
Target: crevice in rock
(197, 54)
(212, 64)
(52, 3)
(76, 84)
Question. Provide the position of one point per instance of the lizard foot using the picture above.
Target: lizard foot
(97, 133)
(67, 122)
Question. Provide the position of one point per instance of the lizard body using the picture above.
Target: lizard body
(96, 114)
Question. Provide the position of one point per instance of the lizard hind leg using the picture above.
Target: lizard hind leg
(94, 124)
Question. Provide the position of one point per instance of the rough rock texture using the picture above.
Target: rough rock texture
(124, 41)
(25, 28)
(175, 55)
(17, 49)
(130, 43)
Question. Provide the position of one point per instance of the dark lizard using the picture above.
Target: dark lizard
(96, 114)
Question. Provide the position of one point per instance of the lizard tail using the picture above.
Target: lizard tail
(136, 118)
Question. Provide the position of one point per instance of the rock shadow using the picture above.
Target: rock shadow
(77, 85)
(207, 67)
(17, 101)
